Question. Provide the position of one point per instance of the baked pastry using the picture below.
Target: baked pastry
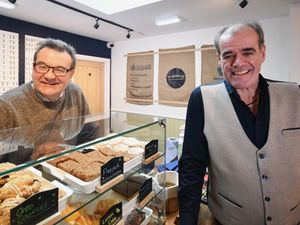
(132, 142)
(97, 156)
(85, 166)
(3, 180)
(70, 208)
(136, 217)
(120, 148)
(3, 167)
(69, 166)
(136, 150)
(24, 186)
(101, 144)
(105, 150)
(6, 178)
(88, 173)
(126, 157)
(87, 219)
(103, 205)
(5, 208)
(81, 158)
(6, 166)
(58, 160)
(115, 141)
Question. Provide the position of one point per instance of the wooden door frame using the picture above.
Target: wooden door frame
(106, 76)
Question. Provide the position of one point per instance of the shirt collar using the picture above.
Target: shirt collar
(262, 85)
(44, 99)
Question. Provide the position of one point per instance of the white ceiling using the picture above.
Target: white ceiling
(198, 14)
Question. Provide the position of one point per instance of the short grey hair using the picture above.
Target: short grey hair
(59, 46)
(252, 24)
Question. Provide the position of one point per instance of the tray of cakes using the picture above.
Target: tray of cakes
(17, 187)
(81, 169)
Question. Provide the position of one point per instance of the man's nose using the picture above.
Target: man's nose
(238, 60)
(50, 74)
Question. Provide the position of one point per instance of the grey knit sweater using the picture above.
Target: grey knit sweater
(22, 107)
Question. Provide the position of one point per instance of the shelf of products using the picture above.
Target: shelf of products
(98, 170)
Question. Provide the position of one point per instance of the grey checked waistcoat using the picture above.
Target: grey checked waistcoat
(250, 186)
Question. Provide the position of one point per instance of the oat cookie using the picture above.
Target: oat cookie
(136, 150)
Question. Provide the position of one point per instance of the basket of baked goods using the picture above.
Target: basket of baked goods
(82, 169)
(28, 198)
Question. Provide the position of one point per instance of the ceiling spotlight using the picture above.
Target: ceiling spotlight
(12, 1)
(96, 26)
(128, 34)
(243, 3)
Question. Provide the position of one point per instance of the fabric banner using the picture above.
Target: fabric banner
(176, 75)
(210, 70)
(139, 87)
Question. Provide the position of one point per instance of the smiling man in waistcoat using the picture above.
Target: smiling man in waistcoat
(246, 130)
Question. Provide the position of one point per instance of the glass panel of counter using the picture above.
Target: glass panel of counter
(116, 131)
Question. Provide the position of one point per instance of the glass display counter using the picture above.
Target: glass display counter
(96, 169)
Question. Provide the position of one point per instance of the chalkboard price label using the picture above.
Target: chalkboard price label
(112, 216)
(112, 169)
(151, 148)
(145, 189)
(36, 208)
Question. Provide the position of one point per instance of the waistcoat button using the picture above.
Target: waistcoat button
(269, 218)
(262, 156)
(267, 199)
(265, 177)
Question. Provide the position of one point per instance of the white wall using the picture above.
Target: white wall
(276, 66)
(294, 39)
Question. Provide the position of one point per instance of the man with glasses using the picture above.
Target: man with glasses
(50, 95)
(51, 105)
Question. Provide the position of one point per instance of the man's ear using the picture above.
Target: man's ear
(218, 56)
(219, 59)
(71, 73)
(263, 53)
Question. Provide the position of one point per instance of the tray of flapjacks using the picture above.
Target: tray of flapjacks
(81, 169)
(18, 186)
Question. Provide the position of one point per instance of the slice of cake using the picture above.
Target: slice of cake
(69, 166)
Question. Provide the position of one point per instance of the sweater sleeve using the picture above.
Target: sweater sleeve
(193, 162)
(7, 115)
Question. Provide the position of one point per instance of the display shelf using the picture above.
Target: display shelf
(40, 144)
(127, 206)
(88, 200)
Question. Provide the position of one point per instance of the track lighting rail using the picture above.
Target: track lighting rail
(91, 15)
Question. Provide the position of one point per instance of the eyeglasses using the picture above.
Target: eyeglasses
(43, 68)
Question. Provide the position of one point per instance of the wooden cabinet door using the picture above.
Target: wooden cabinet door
(89, 76)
